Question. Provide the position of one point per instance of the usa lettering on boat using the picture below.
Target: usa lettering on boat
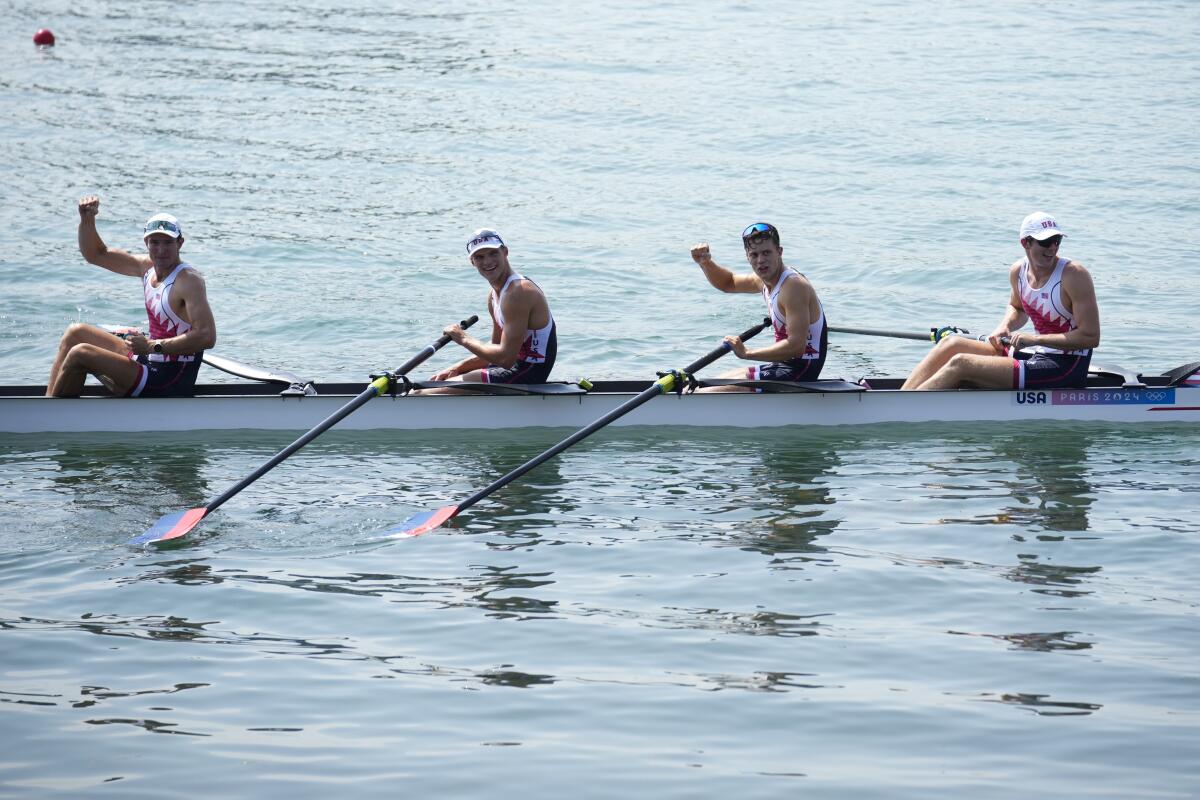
(1031, 398)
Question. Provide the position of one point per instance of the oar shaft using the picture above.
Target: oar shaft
(709, 358)
(661, 386)
(537, 461)
(920, 337)
(429, 350)
(376, 387)
(283, 454)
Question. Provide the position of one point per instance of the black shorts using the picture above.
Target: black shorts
(1033, 370)
(521, 372)
(165, 378)
(526, 371)
(799, 369)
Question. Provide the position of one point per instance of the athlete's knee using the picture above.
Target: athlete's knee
(76, 352)
(954, 345)
(75, 333)
(81, 355)
(960, 363)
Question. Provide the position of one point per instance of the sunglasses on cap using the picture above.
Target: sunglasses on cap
(166, 226)
(760, 229)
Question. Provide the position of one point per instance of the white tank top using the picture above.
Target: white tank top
(812, 347)
(533, 348)
(164, 323)
(1045, 306)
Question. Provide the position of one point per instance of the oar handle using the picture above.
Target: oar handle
(704, 361)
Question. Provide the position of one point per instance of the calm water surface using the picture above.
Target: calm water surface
(886, 612)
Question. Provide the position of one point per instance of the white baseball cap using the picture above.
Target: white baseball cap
(1040, 226)
(162, 223)
(484, 239)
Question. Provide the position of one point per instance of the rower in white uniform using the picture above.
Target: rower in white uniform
(801, 332)
(524, 339)
(181, 322)
(1057, 294)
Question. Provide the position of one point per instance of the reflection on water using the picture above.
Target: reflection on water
(498, 580)
(1050, 482)
(90, 466)
(1043, 706)
(515, 679)
(793, 476)
(1060, 580)
(1041, 469)
(790, 572)
(1040, 642)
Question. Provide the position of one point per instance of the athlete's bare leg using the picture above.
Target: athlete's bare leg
(735, 374)
(81, 333)
(87, 350)
(940, 355)
(974, 371)
(474, 376)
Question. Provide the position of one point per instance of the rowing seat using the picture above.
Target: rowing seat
(1129, 379)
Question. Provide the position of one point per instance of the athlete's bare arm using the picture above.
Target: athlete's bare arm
(523, 307)
(797, 300)
(468, 364)
(93, 249)
(721, 278)
(471, 362)
(1014, 313)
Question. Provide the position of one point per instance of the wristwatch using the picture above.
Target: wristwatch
(158, 347)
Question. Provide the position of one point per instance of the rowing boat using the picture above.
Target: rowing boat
(1112, 395)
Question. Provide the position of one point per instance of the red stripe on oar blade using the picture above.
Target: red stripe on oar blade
(421, 523)
(171, 526)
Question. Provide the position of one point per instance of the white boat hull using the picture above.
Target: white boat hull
(271, 412)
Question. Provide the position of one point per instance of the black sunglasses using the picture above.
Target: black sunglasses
(1053, 241)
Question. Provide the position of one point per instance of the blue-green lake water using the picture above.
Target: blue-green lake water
(891, 611)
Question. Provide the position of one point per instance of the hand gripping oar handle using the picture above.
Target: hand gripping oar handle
(429, 350)
(934, 334)
(179, 523)
(661, 386)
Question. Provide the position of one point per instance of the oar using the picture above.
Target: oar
(427, 521)
(933, 335)
(226, 364)
(252, 373)
(180, 522)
